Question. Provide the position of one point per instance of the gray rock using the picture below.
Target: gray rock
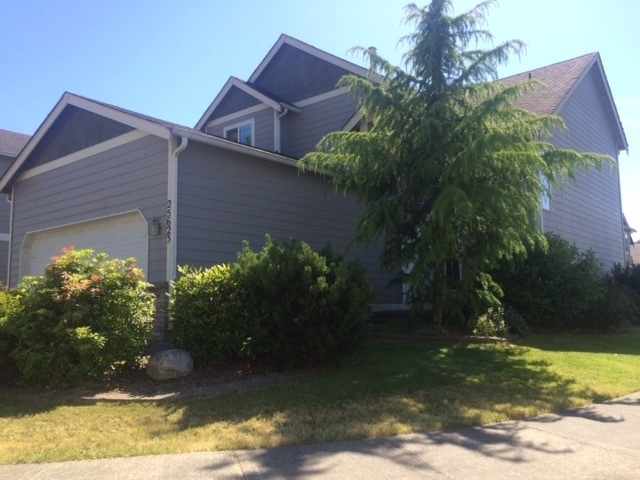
(168, 364)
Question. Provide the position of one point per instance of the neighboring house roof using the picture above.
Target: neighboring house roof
(560, 80)
(145, 123)
(11, 143)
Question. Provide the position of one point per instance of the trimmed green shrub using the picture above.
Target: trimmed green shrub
(552, 288)
(208, 313)
(86, 316)
(8, 370)
(286, 303)
(307, 306)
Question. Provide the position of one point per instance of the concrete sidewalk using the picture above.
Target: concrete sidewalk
(597, 442)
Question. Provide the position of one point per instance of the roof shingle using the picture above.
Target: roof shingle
(559, 79)
(11, 143)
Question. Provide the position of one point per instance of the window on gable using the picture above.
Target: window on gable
(242, 133)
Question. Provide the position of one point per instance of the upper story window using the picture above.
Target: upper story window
(241, 133)
(545, 199)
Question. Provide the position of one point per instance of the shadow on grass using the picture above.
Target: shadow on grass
(416, 387)
(385, 389)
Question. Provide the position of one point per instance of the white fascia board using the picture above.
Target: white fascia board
(235, 115)
(256, 94)
(33, 141)
(138, 123)
(612, 103)
(598, 62)
(214, 104)
(323, 96)
(84, 153)
(102, 110)
(352, 122)
(316, 52)
(235, 147)
(235, 82)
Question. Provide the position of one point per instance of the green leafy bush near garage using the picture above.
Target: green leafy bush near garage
(286, 303)
(86, 316)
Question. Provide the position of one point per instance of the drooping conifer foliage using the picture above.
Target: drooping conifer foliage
(448, 166)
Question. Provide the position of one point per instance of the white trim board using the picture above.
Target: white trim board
(238, 114)
(305, 47)
(112, 113)
(83, 154)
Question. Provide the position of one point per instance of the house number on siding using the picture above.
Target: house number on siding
(168, 221)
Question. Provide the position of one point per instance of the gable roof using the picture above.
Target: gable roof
(561, 79)
(305, 47)
(258, 93)
(254, 88)
(145, 123)
(12, 142)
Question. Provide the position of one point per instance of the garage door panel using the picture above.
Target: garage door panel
(120, 237)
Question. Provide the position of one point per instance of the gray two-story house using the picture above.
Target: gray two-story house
(99, 176)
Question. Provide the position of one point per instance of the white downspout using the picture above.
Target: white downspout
(277, 143)
(10, 200)
(172, 207)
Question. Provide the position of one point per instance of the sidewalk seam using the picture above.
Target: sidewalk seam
(399, 446)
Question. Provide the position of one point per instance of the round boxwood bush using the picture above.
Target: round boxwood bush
(86, 316)
(286, 303)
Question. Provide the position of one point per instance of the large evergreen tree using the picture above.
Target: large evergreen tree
(450, 168)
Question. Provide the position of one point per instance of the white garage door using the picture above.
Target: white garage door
(121, 236)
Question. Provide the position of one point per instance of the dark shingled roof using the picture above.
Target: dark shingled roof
(559, 78)
(11, 143)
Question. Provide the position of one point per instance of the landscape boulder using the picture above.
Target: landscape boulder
(166, 364)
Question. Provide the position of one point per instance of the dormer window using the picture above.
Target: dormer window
(241, 133)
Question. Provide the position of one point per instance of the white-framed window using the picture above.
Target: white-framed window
(241, 132)
(545, 198)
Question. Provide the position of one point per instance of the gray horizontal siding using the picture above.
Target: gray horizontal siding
(588, 212)
(264, 130)
(226, 198)
(301, 132)
(129, 177)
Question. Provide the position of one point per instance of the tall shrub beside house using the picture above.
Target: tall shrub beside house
(86, 316)
(285, 303)
(552, 287)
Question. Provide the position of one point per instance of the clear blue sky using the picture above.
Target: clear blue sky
(169, 59)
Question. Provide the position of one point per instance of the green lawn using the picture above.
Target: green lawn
(389, 387)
